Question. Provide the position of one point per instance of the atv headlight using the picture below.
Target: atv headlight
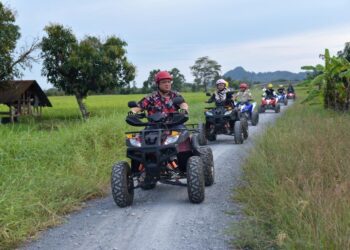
(134, 139)
(228, 112)
(209, 113)
(172, 138)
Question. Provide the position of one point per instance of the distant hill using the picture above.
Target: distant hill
(239, 73)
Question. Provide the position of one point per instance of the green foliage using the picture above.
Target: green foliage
(332, 81)
(9, 35)
(205, 71)
(149, 84)
(51, 164)
(296, 183)
(178, 79)
(89, 65)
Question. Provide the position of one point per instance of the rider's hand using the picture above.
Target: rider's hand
(183, 111)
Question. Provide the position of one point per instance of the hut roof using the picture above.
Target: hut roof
(11, 91)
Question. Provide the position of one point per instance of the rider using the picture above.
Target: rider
(222, 94)
(244, 94)
(281, 90)
(269, 92)
(162, 99)
(290, 88)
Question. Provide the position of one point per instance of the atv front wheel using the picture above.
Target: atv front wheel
(202, 140)
(255, 118)
(122, 184)
(238, 132)
(285, 101)
(208, 134)
(195, 179)
(244, 123)
(277, 108)
(206, 154)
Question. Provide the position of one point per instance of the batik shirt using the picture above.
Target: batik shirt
(155, 102)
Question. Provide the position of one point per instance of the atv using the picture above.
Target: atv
(269, 102)
(282, 98)
(291, 95)
(226, 120)
(247, 110)
(164, 151)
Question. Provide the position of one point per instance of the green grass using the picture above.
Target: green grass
(49, 165)
(296, 188)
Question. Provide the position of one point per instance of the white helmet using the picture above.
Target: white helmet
(220, 81)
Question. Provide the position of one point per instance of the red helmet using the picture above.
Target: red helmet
(162, 75)
(243, 85)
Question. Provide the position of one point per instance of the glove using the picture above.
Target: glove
(183, 111)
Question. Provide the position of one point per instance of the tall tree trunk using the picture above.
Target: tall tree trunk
(83, 110)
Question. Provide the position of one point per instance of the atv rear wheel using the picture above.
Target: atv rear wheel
(261, 109)
(277, 108)
(285, 101)
(122, 184)
(206, 154)
(195, 179)
(255, 118)
(238, 132)
(202, 140)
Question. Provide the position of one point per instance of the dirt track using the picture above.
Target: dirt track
(162, 218)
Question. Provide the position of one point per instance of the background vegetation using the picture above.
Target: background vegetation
(296, 188)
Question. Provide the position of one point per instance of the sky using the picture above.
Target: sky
(258, 35)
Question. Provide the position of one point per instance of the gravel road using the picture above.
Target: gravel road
(162, 218)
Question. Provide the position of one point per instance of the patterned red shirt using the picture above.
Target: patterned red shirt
(155, 102)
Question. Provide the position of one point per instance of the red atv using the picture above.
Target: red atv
(269, 102)
(291, 95)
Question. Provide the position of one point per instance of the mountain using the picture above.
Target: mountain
(239, 73)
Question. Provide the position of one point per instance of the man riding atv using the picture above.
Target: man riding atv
(162, 99)
(224, 118)
(290, 88)
(281, 95)
(243, 100)
(244, 95)
(281, 90)
(164, 151)
(222, 94)
(269, 92)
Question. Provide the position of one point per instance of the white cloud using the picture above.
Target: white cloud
(277, 53)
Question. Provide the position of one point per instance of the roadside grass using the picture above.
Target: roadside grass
(296, 183)
(49, 165)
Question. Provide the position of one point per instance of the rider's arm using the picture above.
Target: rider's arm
(141, 105)
(211, 99)
(136, 109)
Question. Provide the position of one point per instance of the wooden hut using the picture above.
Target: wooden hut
(22, 98)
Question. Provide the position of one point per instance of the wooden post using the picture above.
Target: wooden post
(11, 115)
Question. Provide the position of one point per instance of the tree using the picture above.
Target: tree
(178, 79)
(205, 71)
(89, 65)
(9, 34)
(149, 84)
(333, 81)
